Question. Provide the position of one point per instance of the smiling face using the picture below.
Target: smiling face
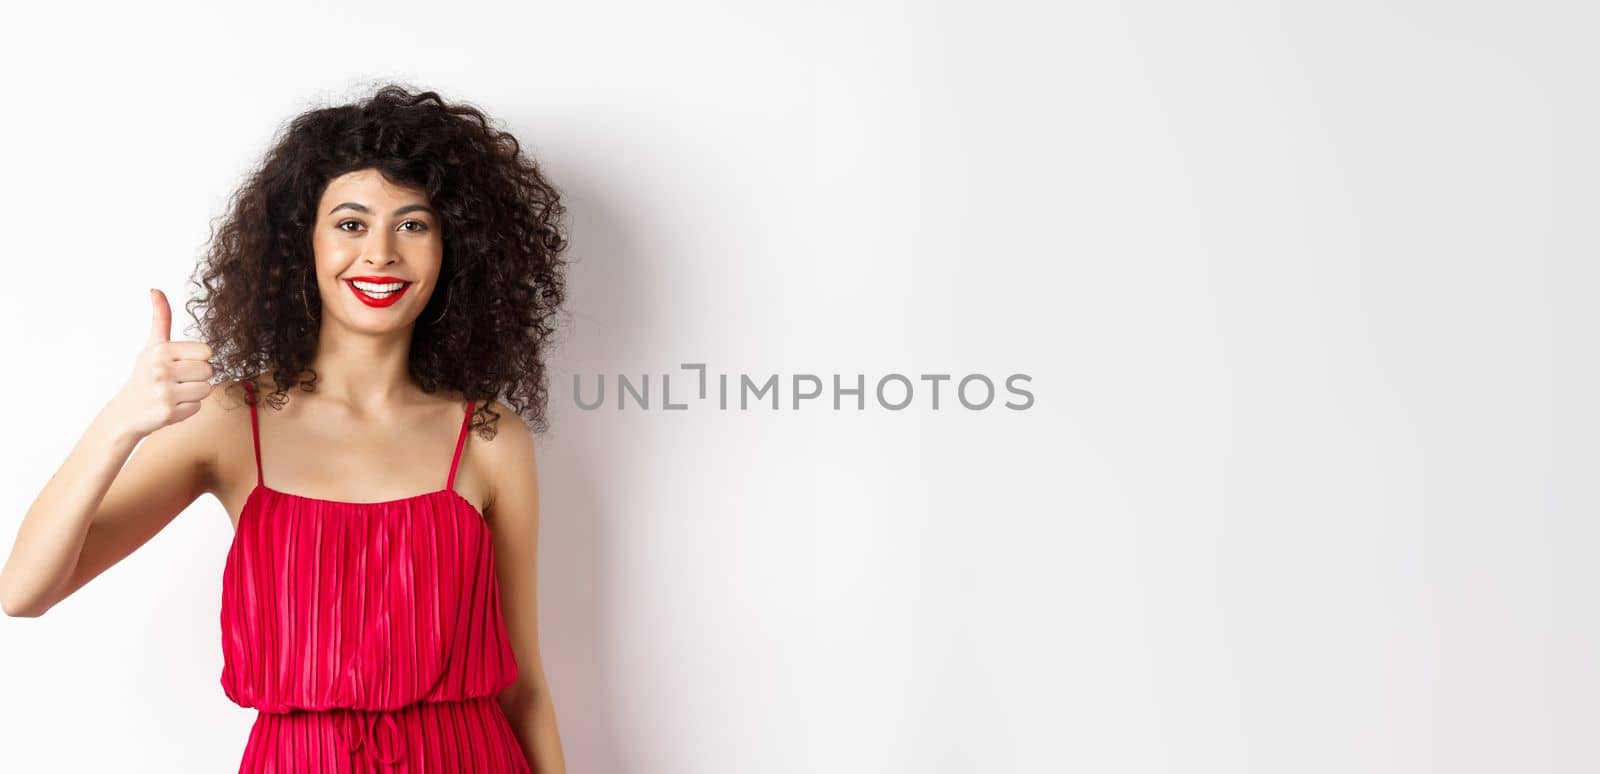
(378, 250)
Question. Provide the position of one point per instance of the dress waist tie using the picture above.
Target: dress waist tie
(363, 735)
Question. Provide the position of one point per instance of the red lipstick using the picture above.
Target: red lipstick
(379, 290)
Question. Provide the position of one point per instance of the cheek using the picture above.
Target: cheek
(328, 254)
(430, 264)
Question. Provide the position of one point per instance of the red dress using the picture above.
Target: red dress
(368, 636)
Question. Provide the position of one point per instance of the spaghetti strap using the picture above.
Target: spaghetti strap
(461, 439)
(255, 430)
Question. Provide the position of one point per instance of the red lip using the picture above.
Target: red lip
(377, 302)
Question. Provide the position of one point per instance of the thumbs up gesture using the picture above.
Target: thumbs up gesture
(169, 377)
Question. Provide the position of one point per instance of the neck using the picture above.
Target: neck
(363, 370)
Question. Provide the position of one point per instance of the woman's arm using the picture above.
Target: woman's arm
(513, 515)
(94, 511)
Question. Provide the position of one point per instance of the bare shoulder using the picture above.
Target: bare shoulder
(221, 408)
(508, 445)
(507, 461)
(216, 426)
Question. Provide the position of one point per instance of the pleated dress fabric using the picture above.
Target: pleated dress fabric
(368, 636)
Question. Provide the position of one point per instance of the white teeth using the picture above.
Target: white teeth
(377, 287)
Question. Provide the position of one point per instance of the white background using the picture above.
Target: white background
(1306, 292)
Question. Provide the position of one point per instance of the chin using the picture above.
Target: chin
(384, 321)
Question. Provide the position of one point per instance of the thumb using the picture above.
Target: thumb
(160, 317)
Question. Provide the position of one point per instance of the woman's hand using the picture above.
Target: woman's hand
(169, 378)
(101, 505)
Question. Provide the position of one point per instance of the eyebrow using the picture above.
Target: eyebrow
(363, 208)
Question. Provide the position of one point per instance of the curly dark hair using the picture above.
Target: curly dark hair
(501, 286)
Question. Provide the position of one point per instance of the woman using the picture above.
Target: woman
(396, 264)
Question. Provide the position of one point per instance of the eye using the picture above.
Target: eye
(423, 226)
(341, 225)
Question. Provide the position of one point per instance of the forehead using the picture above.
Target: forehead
(368, 186)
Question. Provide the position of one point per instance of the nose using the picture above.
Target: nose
(379, 249)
